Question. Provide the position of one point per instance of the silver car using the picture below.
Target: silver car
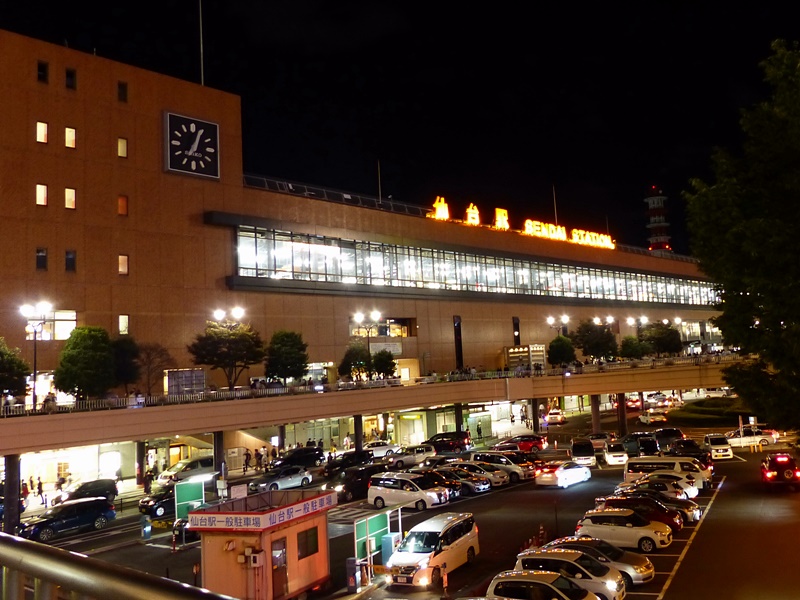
(281, 478)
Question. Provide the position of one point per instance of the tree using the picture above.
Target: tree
(286, 356)
(86, 365)
(356, 362)
(384, 364)
(633, 347)
(597, 341)
(153, 360)
(561, 351)
(229, 346)
(743, 227)
(126, 366)
(13, 371)
(663, 339)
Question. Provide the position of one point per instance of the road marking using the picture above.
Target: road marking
(689, 542)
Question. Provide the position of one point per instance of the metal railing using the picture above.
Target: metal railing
(55, 574)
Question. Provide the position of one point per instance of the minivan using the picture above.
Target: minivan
(582, 452)
(353, 482)
(517, 471)
(188, 467)
(637, 467)
(105, 488)
(449, 539)
(405, 488)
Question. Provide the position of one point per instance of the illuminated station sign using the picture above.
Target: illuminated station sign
(441, 212)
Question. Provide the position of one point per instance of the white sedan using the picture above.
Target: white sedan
(562, 473)
(686, 482)
(652, 416)
(615, 454)
(493, 473)
(381, 448)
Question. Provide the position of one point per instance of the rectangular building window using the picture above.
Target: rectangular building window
(72, 79)
(122, 91)
(123, 324)
(122, 205)
(71, 261)
(42, 71)
(307, 543)
(122, 147)
(41, 194)
(123, 264)
(69, 198)
(41, 259)
(69, 137)
(41, 132)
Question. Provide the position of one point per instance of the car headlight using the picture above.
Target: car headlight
(661, 533)
(338, 488)
(641, 568)
(324, 486)
(611, 585)
(423, 564)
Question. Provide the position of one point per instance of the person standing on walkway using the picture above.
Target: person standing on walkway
(40, 489)
(480, 433)
(247, 457)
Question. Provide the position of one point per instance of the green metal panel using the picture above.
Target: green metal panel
(370, 528)
(188, 496)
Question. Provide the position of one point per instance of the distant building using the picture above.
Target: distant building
(657, 224)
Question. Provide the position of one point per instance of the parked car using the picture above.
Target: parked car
(600, 439)
(280, 478)
(496, 476)
(669, 488)
(518, 469)
(648, 446)
(3, 504)
(544, 584)
(631, 441)
(584, 570)
(685, 481)
(689, 510)
(452, 484)
(449, 539)
(438, 460)
(582, 451)
(689, 447)
(623, 527)
(780, 469)
(160, 502)
(614, 454)
(404, 488)
(718, 445)
(70, 516)
(470, 483)
(649, 508)
(562, 473)
(304, 456)
(635, 568)
(748, 437)
(666, 435)
(506, 447)
(529, 442)
(381, 448)
(351, 458)
(105, 488)
(188, 467)
(555, 417)
(353, 482)
(695, 471)
(450, 441)
(408, 456)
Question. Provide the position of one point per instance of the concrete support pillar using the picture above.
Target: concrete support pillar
(141, 453)
(282, 436)
(358, 432)
(594, 402)
(534, 416)
(622, 415)
(219, 453)
(384, 433)
(11, 493)
(459, 410)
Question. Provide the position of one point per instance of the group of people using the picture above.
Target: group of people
(36, 489)
(262, 458)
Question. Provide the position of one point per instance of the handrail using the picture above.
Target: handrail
(72, 572)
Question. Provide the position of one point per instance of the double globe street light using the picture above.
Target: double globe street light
(37, 318)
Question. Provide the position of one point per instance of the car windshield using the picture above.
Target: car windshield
(176, 468)
(419, 542)
(718, 441)
(459, 473)
(569, 589)
(272, 474)
(490, 468)
(426, 483)
(637, 520)
(592, 565)
(616, 448)
(517, 459)
(612, 552)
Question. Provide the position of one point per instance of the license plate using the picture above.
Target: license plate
(402, 580)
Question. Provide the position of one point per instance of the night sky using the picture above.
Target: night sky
(494, 104)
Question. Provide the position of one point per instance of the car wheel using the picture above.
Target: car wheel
(317, 462)
(628, 581)
(304, 482)
(420, 505)
(159, 511)
(764, 442)
(100, 522)
(46, 534)
(436, 577)
(684, 516)
(273, 487)
(348, 496)
(388, 452)
(514, 477)
(399, 464)
(379, 503)
(470, 555)
(646, 545)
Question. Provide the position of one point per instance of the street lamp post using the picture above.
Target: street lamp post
(375, 317)
(36, 316)
(551, 321)
(221, 316)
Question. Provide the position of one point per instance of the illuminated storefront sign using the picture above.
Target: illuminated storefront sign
(534, 228)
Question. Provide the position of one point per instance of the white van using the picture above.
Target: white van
(188, 467)
(683, 465)
(449, 539)
(718, 445)
(411, 489)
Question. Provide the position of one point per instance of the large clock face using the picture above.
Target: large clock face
(192, 146)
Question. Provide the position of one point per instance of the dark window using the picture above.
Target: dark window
(122, 205)
(515, 325)
(122, 91)
(307, 543)
(71, 261)
(41, 259)
(42, 71)
(72, 79)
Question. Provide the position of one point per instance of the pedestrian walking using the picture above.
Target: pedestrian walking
(274, 453)
(259, 458)
(480, 433)
(247, 458)
(24, 491)
(40, 489)
(148, 481)
(31, 487)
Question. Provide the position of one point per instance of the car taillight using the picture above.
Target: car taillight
(797, 473)
(771, 474)
(782, 459)
(113, 507)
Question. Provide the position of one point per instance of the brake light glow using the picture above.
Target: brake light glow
(771, 474)
(782, 459)
(797, 473)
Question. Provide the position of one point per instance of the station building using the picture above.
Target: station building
(124, 205)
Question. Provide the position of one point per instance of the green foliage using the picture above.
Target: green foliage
(86, 365)
(596, 341)
(663, 339)
(229, 346)
(383, 363)
(13, 371)
(356, 362)
(153, 360)
(633, 348)
(561, 351)
(126, 365)
(744, 225)
(286, 356)
(711, 412)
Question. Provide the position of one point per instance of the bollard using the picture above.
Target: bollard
(444, 580)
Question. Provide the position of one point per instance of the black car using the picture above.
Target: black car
(666, 435)
(631, 441)
(105, 488)
(689, 447)
(351, 458)
(3, 505)
(689, 509)
(68, 517)
(648, 446)
(159, 503)
(780, 469)
(450, 441)
(353, 482)
(451, 483)
(304, 456)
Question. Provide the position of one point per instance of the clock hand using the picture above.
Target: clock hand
(196, 142)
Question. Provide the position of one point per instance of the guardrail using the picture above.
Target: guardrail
(140, 402)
